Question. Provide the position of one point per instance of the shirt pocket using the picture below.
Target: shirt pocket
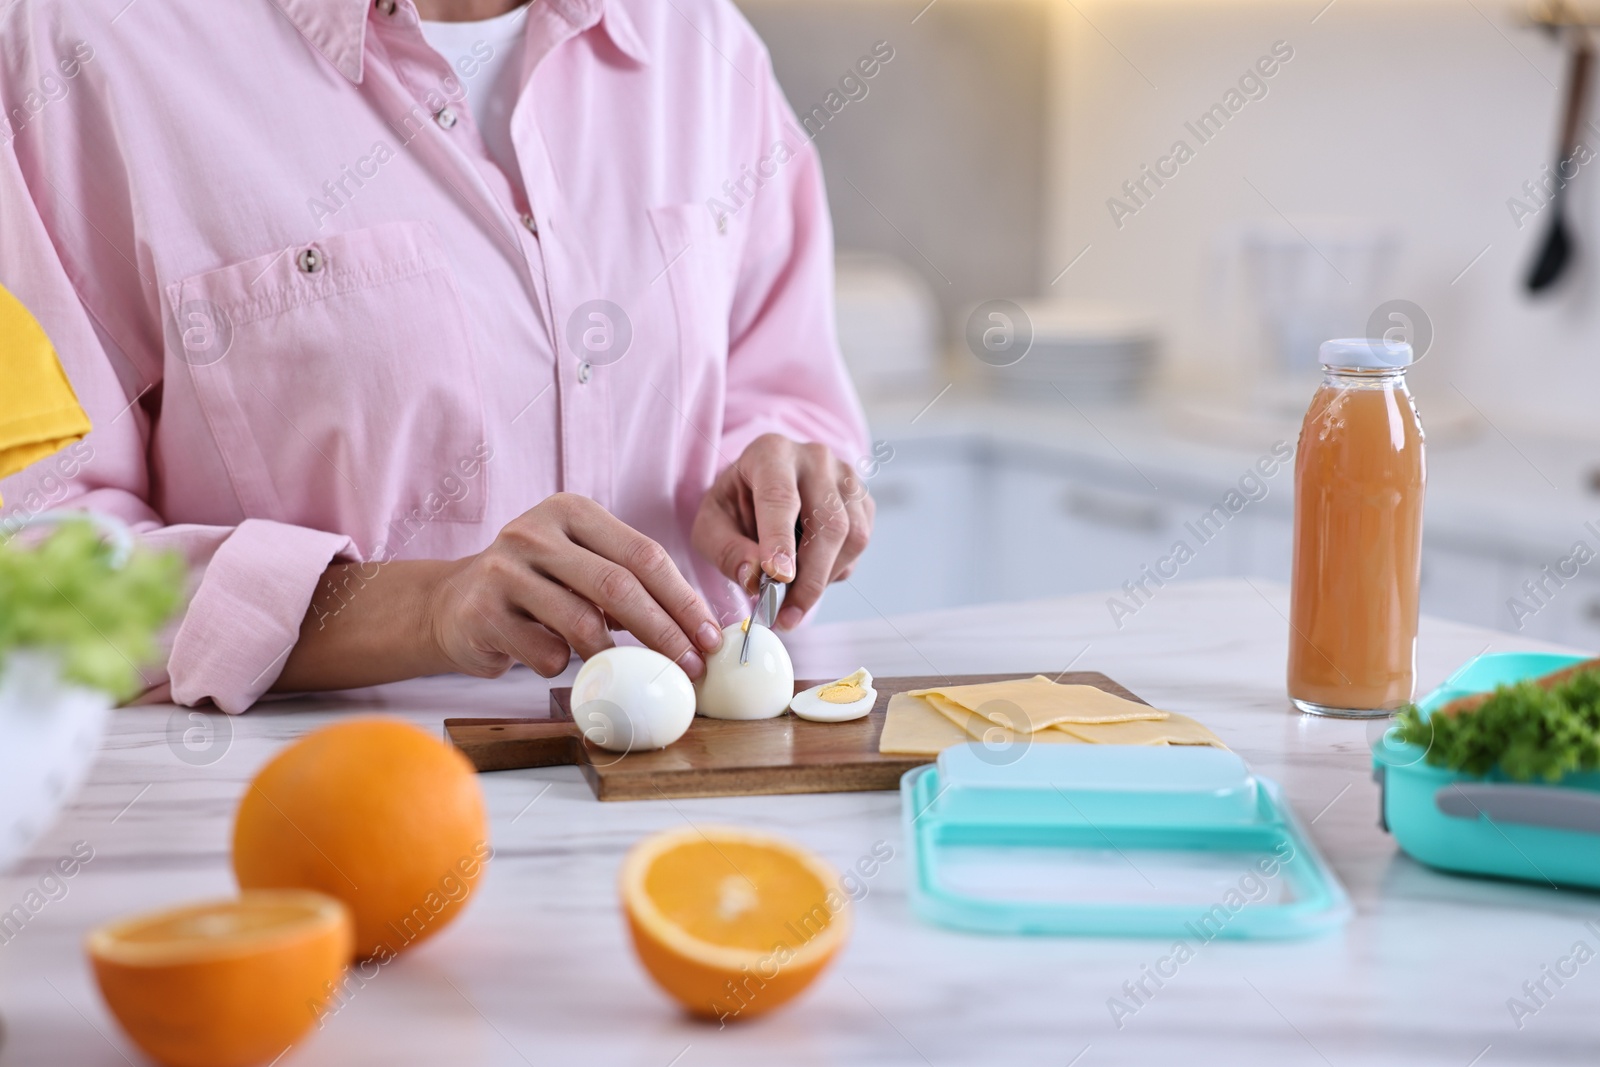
(699, 265)
(340, 383)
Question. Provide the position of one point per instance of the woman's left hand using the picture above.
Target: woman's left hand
(746, 522)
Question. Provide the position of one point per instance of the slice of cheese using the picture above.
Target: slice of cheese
(980, 728)
(1173, 730)
(969, 722)
(1033, 704)
(912, 727)
(926, 726)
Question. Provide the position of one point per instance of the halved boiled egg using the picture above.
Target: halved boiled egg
(757, 689)
(849, 698)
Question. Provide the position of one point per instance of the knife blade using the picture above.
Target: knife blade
(766, 607)
(764, 613)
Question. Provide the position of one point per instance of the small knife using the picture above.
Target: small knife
(765, 612)
(766, 609)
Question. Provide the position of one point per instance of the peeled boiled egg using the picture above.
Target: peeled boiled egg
(758, 689)
(632, 700)
(849, 698)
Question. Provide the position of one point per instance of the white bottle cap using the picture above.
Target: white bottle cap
(1365, 353)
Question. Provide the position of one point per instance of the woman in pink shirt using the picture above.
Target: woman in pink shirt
(432, 362)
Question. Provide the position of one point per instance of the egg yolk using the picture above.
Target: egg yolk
(744, 627)
(840, 693)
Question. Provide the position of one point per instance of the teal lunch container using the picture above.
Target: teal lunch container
(1537, 832)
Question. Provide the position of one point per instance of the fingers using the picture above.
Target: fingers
(719, 531)
(861, 510)
(775, 481)
(775, 496)
(532, 645)
(826, 528)
(633, 580)
(646, 561)
(575, 620)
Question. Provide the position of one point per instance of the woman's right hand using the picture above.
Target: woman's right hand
(555, 581)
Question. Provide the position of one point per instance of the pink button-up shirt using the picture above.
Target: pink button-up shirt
(311, 320)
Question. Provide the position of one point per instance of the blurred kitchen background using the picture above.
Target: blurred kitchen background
(1375, 181)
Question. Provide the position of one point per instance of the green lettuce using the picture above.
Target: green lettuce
(1528, 732)
(66, 596)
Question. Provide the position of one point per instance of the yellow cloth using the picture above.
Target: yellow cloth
(1041, 703)
(39, 413)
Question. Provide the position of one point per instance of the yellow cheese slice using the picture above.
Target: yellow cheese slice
(969, 722)
(1173, 730)
(979, 728)
(1033, 704)
(917, 726)
(911, 727)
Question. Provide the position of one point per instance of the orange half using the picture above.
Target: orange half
(225, 983)
(729, 922)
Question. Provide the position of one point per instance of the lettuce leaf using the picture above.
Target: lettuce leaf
(1528, 732)
(65, 595)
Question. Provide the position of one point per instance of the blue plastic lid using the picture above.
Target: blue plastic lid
(1148, 785)
(1111, 840)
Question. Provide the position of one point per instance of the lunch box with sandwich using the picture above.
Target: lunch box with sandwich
(1490, 825)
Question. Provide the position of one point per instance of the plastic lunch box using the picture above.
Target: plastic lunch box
(1128, 840)
(1490, 825)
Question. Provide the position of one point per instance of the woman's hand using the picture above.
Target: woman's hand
(556, 580)
(746, 522)
(552, 583)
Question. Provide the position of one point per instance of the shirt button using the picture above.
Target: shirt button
(585, 371)
(385, 7)
(445, 117)
(531, 223)
(309, 260)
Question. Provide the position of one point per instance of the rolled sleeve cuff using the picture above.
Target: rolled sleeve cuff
(245, 617)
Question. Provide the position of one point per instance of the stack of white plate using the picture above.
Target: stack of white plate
(888, 325)
(1089, 352)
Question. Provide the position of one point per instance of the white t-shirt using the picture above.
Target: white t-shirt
(487, 57)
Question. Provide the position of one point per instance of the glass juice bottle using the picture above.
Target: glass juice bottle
(1358, 484)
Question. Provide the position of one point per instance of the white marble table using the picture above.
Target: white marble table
(539, 971)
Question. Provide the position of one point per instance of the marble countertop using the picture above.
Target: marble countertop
(538, 969)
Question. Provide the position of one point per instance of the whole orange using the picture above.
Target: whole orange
(375, 812)
(225, 983)
(731, 923)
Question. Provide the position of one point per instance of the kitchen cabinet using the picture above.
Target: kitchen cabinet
(1265, 547)
(1570, 613)
(1466, 586)
(928, 550)
(1057, 533)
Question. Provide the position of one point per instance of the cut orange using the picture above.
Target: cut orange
(227, 983)
(731, 923)
(375, 812)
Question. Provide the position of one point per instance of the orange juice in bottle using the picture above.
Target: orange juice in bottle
(1358, 485)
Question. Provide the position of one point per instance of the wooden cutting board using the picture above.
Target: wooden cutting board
(721, 757)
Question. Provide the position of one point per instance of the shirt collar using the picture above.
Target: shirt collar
(337, 28)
